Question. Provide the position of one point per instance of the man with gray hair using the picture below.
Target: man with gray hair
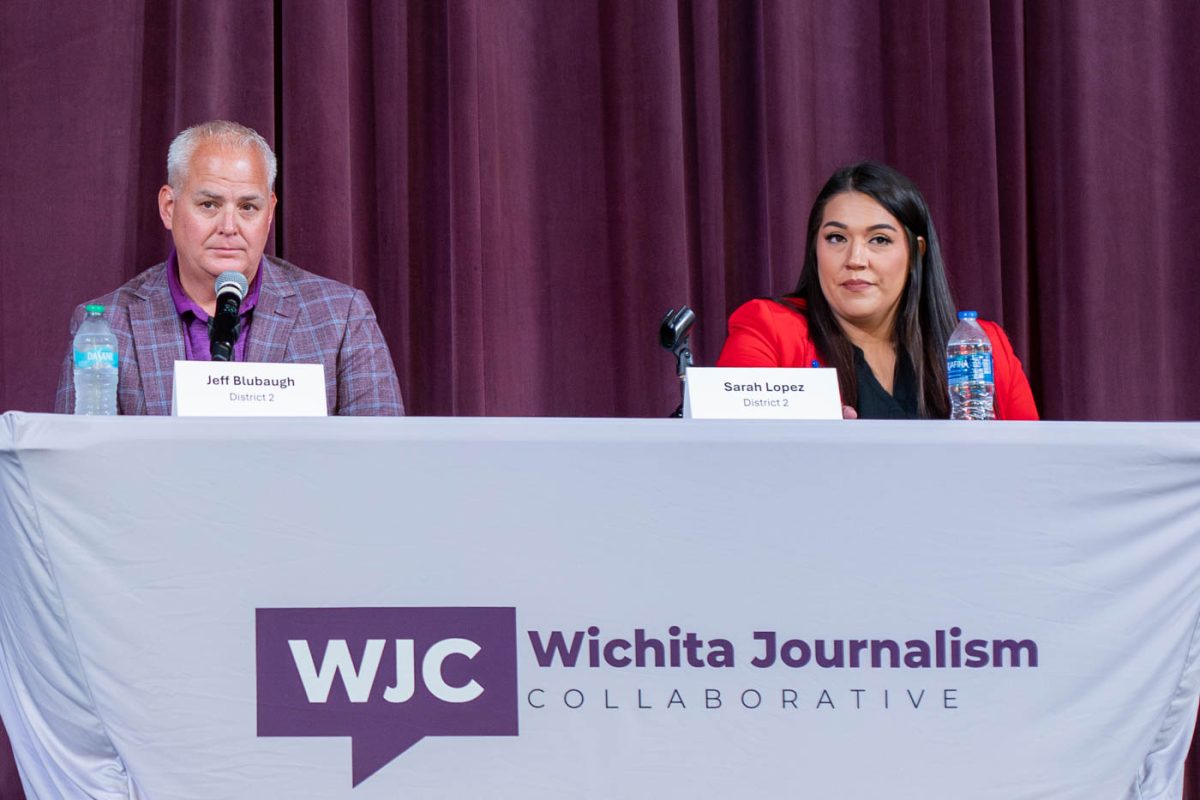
(219, 203)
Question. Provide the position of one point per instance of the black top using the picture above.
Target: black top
(873, 400)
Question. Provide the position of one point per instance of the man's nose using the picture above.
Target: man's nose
(229, 221)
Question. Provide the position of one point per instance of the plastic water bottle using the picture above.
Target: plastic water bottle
(95, 365)
(969, 370)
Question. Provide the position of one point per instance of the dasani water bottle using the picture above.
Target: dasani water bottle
(969, 370)
(95, 365)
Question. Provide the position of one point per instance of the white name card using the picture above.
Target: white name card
(245, 389)
(761, 393)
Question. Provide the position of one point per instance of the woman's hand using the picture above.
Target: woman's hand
(848, 412)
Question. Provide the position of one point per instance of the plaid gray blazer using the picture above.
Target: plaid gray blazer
(300, 318)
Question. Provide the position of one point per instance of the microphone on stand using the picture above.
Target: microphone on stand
(673, 335)
(224, 326)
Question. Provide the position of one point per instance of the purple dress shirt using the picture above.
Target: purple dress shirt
(196, 343)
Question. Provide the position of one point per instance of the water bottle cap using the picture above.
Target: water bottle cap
(94, 309)
(968, 315)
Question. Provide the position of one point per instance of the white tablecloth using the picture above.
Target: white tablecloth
(457, 608)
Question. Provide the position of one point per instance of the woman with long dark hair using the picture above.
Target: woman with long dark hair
(872, 302)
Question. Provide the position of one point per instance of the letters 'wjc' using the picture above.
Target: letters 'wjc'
(359, 682)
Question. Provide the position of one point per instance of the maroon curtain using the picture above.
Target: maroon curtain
(523, 187)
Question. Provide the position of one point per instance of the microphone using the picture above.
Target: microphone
(675, 326)
(224, 326)
(673, 335)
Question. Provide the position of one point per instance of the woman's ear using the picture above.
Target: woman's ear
(921, 245)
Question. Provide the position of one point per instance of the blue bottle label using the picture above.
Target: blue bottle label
(96, 357)
(969, 368)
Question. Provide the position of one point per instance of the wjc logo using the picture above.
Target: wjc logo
(386, 677)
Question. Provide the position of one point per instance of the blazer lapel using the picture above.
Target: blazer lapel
(274, 316)
(158, 341)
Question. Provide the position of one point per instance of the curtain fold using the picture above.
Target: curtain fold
(1113, 169)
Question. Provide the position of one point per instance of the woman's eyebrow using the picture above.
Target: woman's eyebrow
(879, 226)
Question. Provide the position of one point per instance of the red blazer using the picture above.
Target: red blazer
(763, 333)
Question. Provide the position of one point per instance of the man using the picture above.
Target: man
(218, 204)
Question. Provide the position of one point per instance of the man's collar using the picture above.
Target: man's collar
(183, 303)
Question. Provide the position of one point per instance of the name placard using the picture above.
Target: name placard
(247, 389)
(761, 393)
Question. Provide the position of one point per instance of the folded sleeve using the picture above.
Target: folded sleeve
(1014, 397)
(366, 383)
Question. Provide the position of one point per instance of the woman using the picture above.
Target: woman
(872, 302)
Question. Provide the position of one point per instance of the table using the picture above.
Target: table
(383, 608)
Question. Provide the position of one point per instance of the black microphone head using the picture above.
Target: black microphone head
(684, 321)
(230, 281)
(675, 326)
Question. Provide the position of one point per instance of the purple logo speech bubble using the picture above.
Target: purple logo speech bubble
(386, 677)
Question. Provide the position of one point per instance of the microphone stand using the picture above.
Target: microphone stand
(683, 360)
(673, 335)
